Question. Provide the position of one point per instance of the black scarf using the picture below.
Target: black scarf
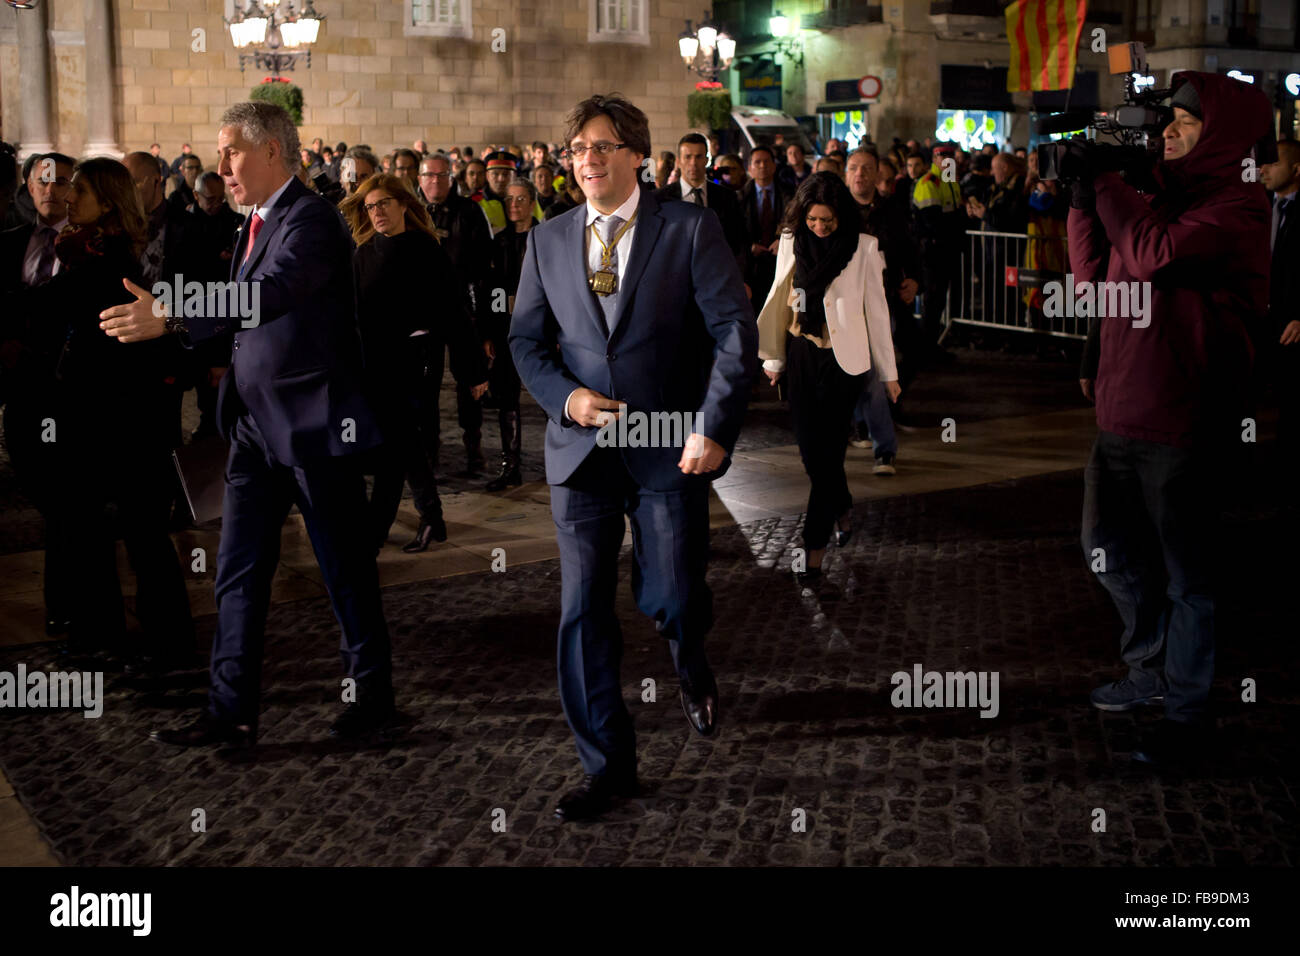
(816, 264)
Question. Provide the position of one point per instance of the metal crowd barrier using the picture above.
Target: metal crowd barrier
(1000, 284)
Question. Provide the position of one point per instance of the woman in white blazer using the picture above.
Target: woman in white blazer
(824, 324)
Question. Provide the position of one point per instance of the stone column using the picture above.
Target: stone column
(37, 107)
(101, 139)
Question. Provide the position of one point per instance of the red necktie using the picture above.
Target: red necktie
(254, 228)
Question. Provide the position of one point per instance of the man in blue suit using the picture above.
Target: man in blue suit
(630, 307)
(292, 408)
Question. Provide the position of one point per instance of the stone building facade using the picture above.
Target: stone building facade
(108, 76)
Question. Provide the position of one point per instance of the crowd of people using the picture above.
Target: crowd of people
(832, 251)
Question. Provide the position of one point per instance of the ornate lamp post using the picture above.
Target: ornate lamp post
(707, 51)
(287, 34)
(785, 37)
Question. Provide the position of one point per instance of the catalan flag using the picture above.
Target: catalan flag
(1044, 37)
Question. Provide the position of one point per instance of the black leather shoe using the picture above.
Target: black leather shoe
(55, 627)
(596, 795)
(429, 532)
(205, 732)
(701, 709)
(508, 477)
(160, 662)
(358, 719)
(1172, 744)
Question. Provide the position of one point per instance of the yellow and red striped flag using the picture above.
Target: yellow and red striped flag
(1044, 36)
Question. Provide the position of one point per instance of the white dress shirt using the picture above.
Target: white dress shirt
(623, 247)
(32, 258)
(704, 192)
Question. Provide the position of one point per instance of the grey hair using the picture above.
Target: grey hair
(524, 183)
(260, 123)
(209, 176)
(360, 152)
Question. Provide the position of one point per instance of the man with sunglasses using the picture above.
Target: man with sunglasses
(629, 306)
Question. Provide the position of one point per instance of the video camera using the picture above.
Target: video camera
(1138, 124)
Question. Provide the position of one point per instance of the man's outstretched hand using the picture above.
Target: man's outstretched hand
(135, 321)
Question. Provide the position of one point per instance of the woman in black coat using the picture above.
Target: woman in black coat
(99, 408)
(408, 311)
(508, 249)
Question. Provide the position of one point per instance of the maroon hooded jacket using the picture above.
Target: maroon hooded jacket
(1201, 240)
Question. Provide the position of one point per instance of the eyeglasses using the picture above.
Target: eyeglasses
(605, 149)
(380, 204)
(520, 200)
(434, 175)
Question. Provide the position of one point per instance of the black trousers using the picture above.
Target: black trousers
(136, 484)
(822, 397)
(407, 456)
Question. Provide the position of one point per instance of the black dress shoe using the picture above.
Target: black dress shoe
(509, 477)
(430, 531)
(701, 709)
(1172, 744)
(160, 662)
(205, 732)
(596, 795)
(54, 627)
(358, 719)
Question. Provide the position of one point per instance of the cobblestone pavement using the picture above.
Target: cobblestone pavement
(988, 578)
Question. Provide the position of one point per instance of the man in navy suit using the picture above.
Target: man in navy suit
(630, 307)
(292, 408)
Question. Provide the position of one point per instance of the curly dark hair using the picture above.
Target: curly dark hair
(821, 189)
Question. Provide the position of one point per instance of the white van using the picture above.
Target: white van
(758, 125)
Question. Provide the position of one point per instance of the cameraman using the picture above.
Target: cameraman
(1171, 393)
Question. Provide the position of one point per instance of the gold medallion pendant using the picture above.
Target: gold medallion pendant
(603, 283)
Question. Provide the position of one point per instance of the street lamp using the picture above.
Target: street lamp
(288, 36)
(707, 51)
(785, 37)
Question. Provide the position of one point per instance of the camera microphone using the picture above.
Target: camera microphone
(1064, 122)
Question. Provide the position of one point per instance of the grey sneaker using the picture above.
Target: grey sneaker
(1122, 695)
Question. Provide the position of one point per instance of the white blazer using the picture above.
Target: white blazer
(857, 314)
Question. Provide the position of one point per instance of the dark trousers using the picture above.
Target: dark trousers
(1288, 395)
(137, 484)
(670, 541)
(35, 468)
(331, 495)
(822, 398)
(407, 456)
(1153, 512)
(938, 275)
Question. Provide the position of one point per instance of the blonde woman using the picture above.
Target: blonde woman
(408, 311)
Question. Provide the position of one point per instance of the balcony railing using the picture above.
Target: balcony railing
(845, 13)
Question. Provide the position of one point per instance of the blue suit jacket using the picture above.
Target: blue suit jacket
(684, 337)
(297, 372)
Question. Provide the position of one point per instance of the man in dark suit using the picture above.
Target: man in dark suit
(463, 230)
(1283, 179)
(693, 186)
(762, 204)
(292, 407)
(628, 306)
(27, 259)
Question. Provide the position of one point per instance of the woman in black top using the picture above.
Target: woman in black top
(99, 407)
(494, 322)
(408, 310)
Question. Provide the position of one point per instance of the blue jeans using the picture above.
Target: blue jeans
(1152, 510)
(873, 409)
